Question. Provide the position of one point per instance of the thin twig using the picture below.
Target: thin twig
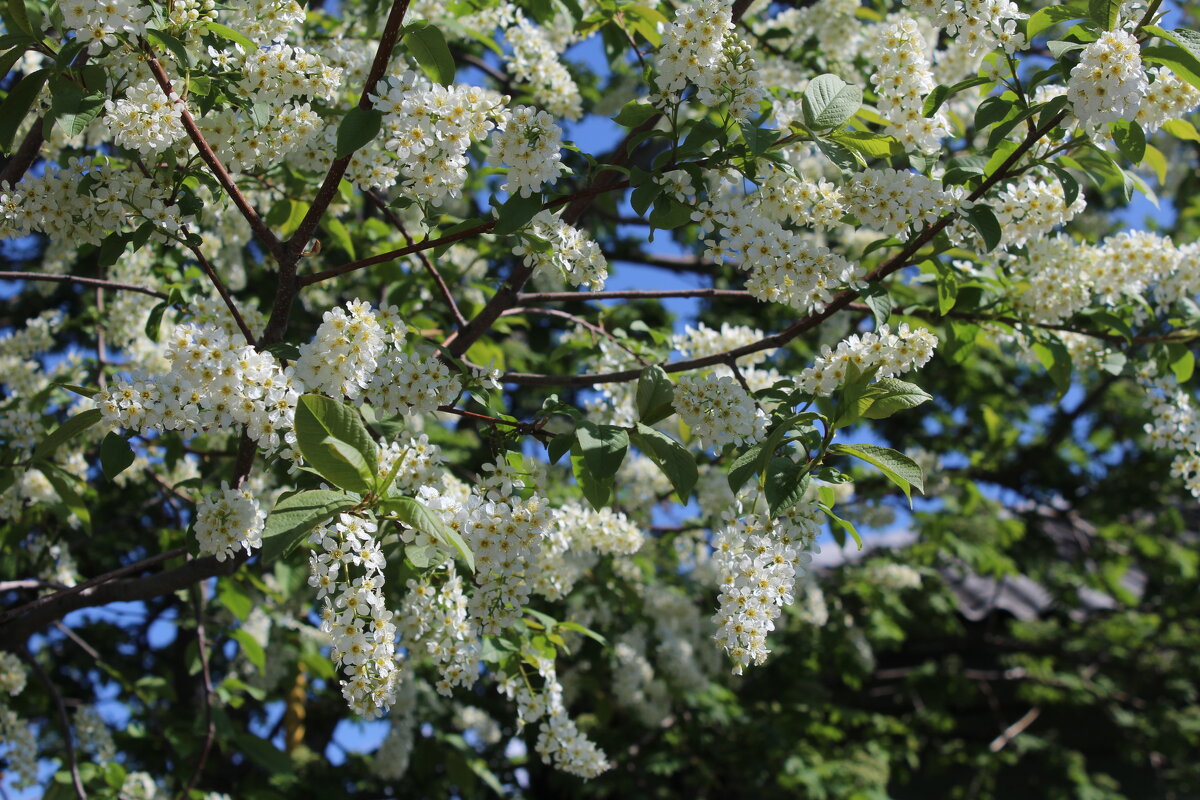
(264, 234)
(1014, 730)
(222, 289)
(596, 329)
(114, 285)
(429, 266)
(77, 639)
(63, 723)
(210, 727)
(325, 194)
(629, 294)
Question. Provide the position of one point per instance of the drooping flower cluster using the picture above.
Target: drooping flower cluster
(281, 72)
(346, 568)
(1175, 425)
(785, 266)
(719, 411)
(1053, 278)
(559, 741)
(12, 674)
(20, 747)
(700, 47)
(529, 144)
(890, 201)
(1108, 83)
(893, 577)
(438, 621)
(428, 130)
(572, 255)
(341, 358)
(1167, 98)
(146, 119)
(757, 560)
(574, 543)
(93, 734)
(976, 25)
(535, 64)
(1031, 207)
(892, 354)
(903, 80)
(98, 23)
(229, 520)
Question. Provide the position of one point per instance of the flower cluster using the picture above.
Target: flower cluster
(890, 354)
(342, 356)
(1032, 207)
(893, 577)
(785, 266)
(99, 23)
(572, 255)
(1175, 425)
(229, 520)
(12, 674)
(242, 145)
(559, 741)
(20, 748)
(976, 25)
(889, 200)
(346, 568)
(1167, 98)
(757, 560)
(719, 411)
(701, 48)
(1108, 83)
(903, 80)
(574, 543)
(535, 64)
(437, 621)
(529, 143)
(281, 72)
(428, 130)
(93, 734)
(146, 119)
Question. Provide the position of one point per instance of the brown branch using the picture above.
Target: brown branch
(77, 639)
(629, 294)
(222, 289)
(114, 285)
(1014, 730)
(63, 723)
(383, 56)
(429, 266)
(210, 727)
(264, 234)
(429, 244)
(840, 301)
(26, 154)
(596, 329)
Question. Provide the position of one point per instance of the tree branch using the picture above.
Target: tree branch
(629, 294)
(264, 234)
(114, 285)
(63, 723)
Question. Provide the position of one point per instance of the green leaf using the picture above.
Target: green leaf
(655, 395)
(1181, 129)
(1104, 13)
(341, 235)
(1050, 16)
(889, 395)
(991, 110)
(842, 524)
(829, 101)
(251, 648)
(419, 517)
(669, 213)
(516, 212)
(867, 144)
(19, 15)
(1130, 139)
(61, 481)
(428, 46)
(17, 104)
(1181, 61)
(635, 113)
(115, 455)
(68, 430)
(294, 517)
(1055, 357)
(229, 33)
(1182, 361)
(880, 302)
(603, 448)
(177, 48)
(843, 157)
(672, 458)
(941, 93)
(984, 221)
(785, 484)
(744, 466)
(947, 291)
(1070, 186)
(328, 433)
(897, 467)
(559, 446)
(357, 129)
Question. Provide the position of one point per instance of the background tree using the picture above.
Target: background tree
(429, 399)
